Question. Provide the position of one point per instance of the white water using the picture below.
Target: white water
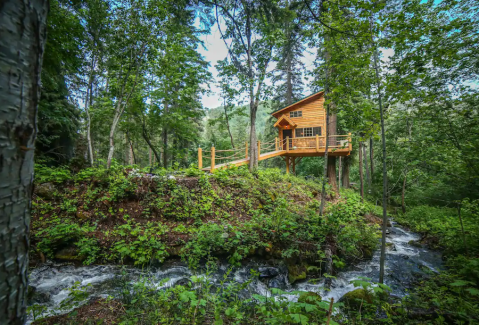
(404, 263)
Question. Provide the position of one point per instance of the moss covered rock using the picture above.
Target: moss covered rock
(354, 299)
(297, 272)
(68, 254)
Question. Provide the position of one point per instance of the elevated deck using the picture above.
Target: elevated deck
(289, 149)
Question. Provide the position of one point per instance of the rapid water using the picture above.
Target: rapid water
(405, 263)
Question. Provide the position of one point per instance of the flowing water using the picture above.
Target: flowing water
(405, 263)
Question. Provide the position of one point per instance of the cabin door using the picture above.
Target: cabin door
(286, 133)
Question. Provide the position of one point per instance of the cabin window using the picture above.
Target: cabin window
(296, 114)
(308, 132)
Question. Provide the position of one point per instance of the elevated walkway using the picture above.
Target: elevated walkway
(288, 149)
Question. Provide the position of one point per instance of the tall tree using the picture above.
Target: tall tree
(250, 25)
(22, 40)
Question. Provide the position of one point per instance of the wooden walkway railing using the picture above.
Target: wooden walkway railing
(239, 156)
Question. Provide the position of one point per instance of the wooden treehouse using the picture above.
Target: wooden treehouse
(301, 133)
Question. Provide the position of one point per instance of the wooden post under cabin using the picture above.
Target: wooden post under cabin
(259, 148)
(276, 144)
(294, 165)
(287, 165)
(246, 151)
(200, 158)
(350, 143)
(212, 159)
(287, 147)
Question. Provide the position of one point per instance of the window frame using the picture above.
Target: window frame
(312, 130)
(297, 113)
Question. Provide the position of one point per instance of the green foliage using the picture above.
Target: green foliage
(199, 301)
(141, 243)
(442, 225)
(45, 174)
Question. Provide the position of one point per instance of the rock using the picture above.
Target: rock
(45, 190)
(355, 298)
(309, 297)
(414, 243)
(297, 272)
(40, 297)
(68, 254)
(266, 271)
(391, 246)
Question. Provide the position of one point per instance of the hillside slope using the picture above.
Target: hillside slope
(128, 216)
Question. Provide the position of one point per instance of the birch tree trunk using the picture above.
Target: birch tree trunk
(366, 168)
(361, 178)
(22, 39)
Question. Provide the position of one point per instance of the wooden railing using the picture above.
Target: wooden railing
(317, 143)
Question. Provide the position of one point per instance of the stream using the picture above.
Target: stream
(405, 263)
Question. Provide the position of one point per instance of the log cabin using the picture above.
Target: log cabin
(302, 132)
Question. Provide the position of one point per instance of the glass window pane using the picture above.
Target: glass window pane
(316, 131)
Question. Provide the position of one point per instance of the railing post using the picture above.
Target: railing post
(200, 158)
(276, 144)
(259, 148)
(212, 159)
(287, 144)
(317, 143)
(349, 141)
(246, 151)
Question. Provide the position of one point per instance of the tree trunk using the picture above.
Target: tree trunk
(332, 130)
(361, 180)
(228, 126)
(165, 140)
(340, 169)
(325, 169)
(22, 39)
(345, 172)
(366, 168)
(87, 111)
(385, 179)
(371, 157)
(403, 204)
(253, 147)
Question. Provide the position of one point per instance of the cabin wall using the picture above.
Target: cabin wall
(313, 114)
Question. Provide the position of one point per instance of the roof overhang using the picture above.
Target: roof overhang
(284, 122)
(310, 97)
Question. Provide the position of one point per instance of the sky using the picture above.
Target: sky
(215, 49)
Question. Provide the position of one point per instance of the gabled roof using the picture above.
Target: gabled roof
(284, 118)
(312, 96)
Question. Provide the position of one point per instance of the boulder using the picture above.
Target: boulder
(297, 272)
(68, 254)
(414, 243)
(355, 298)
(267, 271)
(45, 190)
(391, 246)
